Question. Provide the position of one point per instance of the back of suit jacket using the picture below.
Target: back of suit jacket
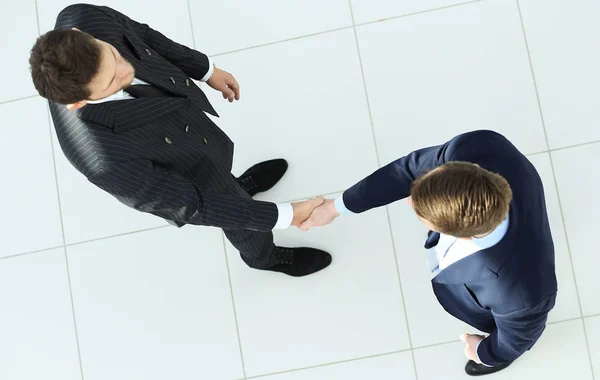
(507, 289)
(160, 155)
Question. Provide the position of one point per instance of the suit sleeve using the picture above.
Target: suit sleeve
(192, 62)
(515, 333)
(393, 181)
(146, 187)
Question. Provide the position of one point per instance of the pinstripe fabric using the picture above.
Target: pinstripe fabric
(163, 155)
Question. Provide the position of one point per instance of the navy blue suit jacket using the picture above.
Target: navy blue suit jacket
(506, 290)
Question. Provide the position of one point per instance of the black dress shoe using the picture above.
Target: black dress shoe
(263, 176)
(298, 262)
(474, 369)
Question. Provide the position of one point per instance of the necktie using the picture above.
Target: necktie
(146, 90)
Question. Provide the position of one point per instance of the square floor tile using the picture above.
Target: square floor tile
(578, 178)
(155, 305)
(31, 217)
(435, 75)
(561, 35)
(388, 367)
(36, 322)
(318, 120)
(559, 354)
(428, 322)
(17, 16)
(89, 212)
(592, 327)
(171, 19)
(351, 309)
(372, 10)
(567, 303)
(235, 25)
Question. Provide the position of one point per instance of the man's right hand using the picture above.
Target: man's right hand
(322, 216)
(303, 210)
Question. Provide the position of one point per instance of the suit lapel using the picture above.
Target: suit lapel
(135, 113)
(469, 269)
(99, 113)
(161, 73)
(485, 264)
(125, 115)
(156, 70)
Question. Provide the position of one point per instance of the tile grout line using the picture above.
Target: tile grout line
(550, 150)
(354, 359)
(237, 326)
(116, 235)
(353, 26)
(364, 82)
(587, 342)
(412, 348)
(191, 24)
(37, 17)
(536, 153)
(362, 72)
(81, 242)
(31, 252)
(564, 320)
(574, 146)
(133, 232)
(281, 41)
(18, 99)
(418, 12)
(62, 228)
(393, 352)
(329, 364)
(560, 207)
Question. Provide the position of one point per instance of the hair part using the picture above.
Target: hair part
(63, 63)
(461, 199)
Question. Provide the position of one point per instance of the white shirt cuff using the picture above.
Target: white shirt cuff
(211, 70)
(286, 215)
(340, 207)
(477, 353)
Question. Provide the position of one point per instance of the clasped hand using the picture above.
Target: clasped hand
(314, 213)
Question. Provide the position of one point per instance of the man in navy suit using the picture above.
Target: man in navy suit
(490, 249)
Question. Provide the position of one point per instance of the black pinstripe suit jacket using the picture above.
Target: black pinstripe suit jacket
(160, 155)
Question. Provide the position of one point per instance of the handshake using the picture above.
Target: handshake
(313, 213)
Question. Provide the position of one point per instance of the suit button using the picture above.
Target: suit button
(187, 82)
(187, 128)
(172, 80)
(168, 140)
(148, 51)
(205, 140)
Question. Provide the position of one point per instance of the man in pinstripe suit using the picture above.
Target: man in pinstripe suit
(129, 117)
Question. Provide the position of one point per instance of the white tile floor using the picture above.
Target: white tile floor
(91, 290)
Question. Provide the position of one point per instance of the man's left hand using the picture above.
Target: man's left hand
(471, 342)
(226, 83)
(321, 216)
(303, 210)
